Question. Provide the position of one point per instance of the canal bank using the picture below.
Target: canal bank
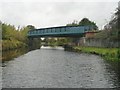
(112, 54)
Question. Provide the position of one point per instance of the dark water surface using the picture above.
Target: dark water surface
(56, 68)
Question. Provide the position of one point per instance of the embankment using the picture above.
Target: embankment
(112, 54)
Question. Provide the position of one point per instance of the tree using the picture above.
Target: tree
(74, 23)
(114, 23)
(87, 22)
(84, 22)
(112, 28)
(117, 14)
(30, 27)
(8, 31)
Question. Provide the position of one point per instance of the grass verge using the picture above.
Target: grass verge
(112, 54)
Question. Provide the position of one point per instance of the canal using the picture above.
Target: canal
(50, 67)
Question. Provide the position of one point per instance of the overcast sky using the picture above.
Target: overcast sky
(49, 14)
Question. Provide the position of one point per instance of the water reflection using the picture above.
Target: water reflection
(10, 54)
(53, 48)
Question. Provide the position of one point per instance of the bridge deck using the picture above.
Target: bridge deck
(63, 31)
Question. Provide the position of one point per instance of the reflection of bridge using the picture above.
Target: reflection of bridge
(62, 31)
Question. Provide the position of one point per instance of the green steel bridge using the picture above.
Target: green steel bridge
(61, 31)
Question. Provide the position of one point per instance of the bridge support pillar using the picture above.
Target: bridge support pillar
(76, 41)
(34, 43)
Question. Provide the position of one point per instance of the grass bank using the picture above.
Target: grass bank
(12, 44)
(112, 54)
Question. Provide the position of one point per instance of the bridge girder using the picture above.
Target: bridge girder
(63, 31)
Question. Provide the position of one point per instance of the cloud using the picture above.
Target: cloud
(47, 14)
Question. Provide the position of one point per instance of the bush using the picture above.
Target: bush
(12, 44)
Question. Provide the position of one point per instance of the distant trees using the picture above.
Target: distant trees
(30, 27)
(84, 22)
(74, 23)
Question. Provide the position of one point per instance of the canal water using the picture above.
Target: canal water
(50, 67)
